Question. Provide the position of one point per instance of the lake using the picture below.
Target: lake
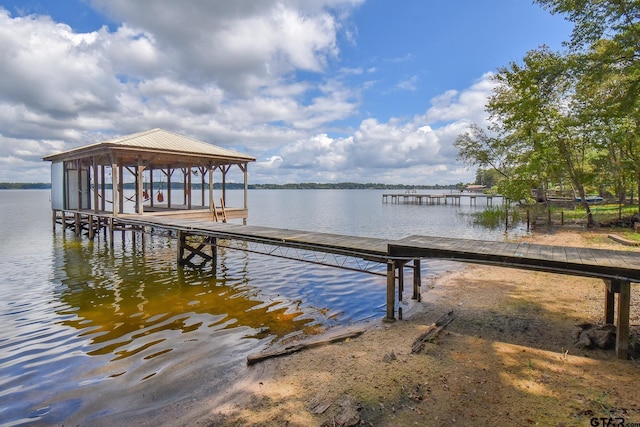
(90, 329)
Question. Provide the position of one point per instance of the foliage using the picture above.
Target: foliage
(569, 118)
(24, 185)
(494, 217)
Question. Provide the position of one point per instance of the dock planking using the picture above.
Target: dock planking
(617, 268)
(601, 263)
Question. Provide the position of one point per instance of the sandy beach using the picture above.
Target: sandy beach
(509, 357)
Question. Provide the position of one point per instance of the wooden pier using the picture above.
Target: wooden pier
(200, 237)
(436, 199)
(618, 269)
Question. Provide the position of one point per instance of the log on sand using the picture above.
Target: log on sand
(317, 342)
(432, 332)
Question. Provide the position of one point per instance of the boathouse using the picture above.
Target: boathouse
(134, 174)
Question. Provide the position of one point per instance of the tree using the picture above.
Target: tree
(487, 177)
(606, 37)
(538, 137)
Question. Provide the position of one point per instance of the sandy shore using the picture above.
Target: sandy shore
(508, 358)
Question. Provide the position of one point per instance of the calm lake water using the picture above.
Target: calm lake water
(89, 332)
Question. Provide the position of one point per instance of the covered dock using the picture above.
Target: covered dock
(148, 164)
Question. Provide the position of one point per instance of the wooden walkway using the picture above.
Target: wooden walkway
(618, 269)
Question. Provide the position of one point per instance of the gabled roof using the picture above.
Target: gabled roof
(154, 146)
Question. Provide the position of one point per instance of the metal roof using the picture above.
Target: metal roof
(156, 142)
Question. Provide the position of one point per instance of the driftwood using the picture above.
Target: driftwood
(432, 332)
(620, 239)
(293, 348)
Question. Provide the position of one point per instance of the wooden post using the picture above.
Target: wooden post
(417, 278)
(400, 266)
(211, 203)
(622, 331)
(77, 223)
(103, 189)
(120, 189)
(79, 173)
(623, 289)
(184, 186)
(609, 298)
(203, 172)
(214, 251)
(189, 187)
(139, 187)
(169, 173)
(91, 230)
(96, 199)
(224, 180)
(111, 225)
(244, 169)
(391, 291)
(151, 187)
(181, 242)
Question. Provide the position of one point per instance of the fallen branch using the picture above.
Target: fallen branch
(432, 332)
(323, 340)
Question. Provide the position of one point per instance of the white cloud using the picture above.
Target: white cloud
(396, 151)
(408, 84)
(469, 104)
(245, 45)
(49, 69)
(224, 72)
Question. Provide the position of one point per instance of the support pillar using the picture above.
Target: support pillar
(182, 241)
(91, 229)
(623, 289)
(391, 291)
(139, 187)
(609, 300)
(417, 279)
(622, 331)
(77, 223)
(214, 251)
(400, 266)
(111, 225)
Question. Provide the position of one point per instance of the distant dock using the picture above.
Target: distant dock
(437, 199)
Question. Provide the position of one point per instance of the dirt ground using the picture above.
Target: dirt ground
(508, 358)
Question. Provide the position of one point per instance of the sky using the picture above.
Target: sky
(316, 90)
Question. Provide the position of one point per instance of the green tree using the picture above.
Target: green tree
(606, 39)
(538, 135)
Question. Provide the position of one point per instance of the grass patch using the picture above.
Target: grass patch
(495, 217)
(602, 213)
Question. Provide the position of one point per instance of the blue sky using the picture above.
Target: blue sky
(316, 90)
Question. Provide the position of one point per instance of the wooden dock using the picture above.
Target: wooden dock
(199, 237)
(436, 199)
(618, 269)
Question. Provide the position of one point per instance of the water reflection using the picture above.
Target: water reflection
(122, 299)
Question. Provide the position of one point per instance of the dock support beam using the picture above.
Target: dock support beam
(398, 265)
(623, 289)
(417, 279)
(391, 291)
(186, 252)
